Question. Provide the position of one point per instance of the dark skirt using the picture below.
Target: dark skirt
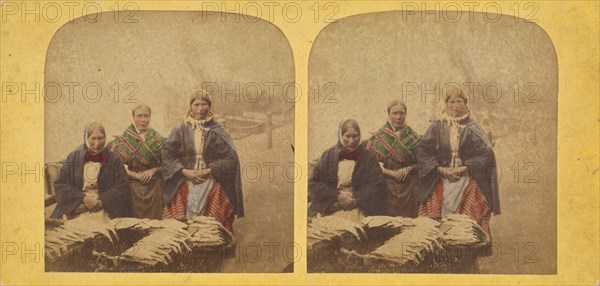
(402, 197)
(146, 199)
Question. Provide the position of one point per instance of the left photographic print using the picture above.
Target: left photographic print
(166, 135)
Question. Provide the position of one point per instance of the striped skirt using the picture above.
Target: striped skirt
(472, 203)
(217, 206)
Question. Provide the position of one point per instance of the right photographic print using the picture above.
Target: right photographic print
(432, 145)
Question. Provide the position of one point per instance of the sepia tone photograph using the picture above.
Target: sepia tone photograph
(432, 145)
(166, 136)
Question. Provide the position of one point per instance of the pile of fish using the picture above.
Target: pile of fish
(386, 222)
(330, 227)
(416, 238)
(166, 239)
(460, 229)
(397, 241)
(208, 232)
(63, 237)
(146, 243)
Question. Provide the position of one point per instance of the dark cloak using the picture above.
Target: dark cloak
(367, 183)
(475, 152)
(112, 184)
(218, 152)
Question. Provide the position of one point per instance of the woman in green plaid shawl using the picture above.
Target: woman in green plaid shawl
(395, 145)
(140, 148)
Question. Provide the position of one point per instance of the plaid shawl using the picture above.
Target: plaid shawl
(139, 154)
(398, 149)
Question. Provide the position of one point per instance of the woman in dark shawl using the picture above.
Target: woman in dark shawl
(347, 178)
(457, 166)
(201, 168)
(92, 181)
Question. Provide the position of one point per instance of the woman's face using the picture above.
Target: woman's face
(350, 139)
(199, 109)
(95, 142)
(141, 119)
(397, 116)
(456, 105)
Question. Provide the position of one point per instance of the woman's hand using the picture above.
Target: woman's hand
(447, 173)
(461, 171)
(193, 176)
(346, 200)
(92, 202)
(452, 174)
(205, 173)
(402, 174)
(134, 175)
(146, 176)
